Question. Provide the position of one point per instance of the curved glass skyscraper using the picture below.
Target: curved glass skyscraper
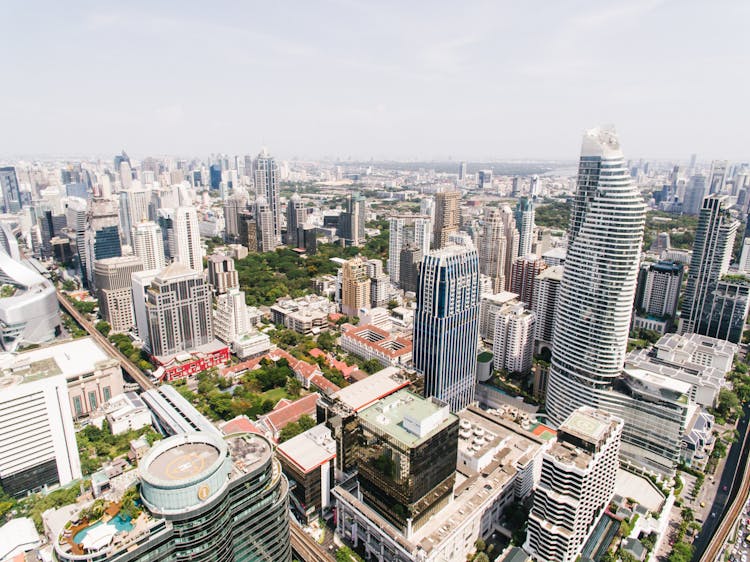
(598, 284)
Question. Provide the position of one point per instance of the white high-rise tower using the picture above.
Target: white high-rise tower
(266, 179)
(148, 244)
(188, 239)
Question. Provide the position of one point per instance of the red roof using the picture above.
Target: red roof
(277, 419)
(335, 316)
(249, 365)
(341, 366)
(324, 384)
(240, 424)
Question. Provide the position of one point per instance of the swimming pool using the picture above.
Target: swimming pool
(118, 522)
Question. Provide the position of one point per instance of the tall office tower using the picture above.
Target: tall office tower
(744, 265)
(230, 315)
(140, 282)
(691, 166)
(524, 216)
(498, 246)
(188, 238)
(232, 209)
(248, 230)
(409, 263)
(264, 225)
(729, 302)
(295, 218)
(407, 471)
(112, 279)
(133, 209)
(10, 190)
(148, 244)
(75, 213)
(523, 277)
(534, 187)
(214, 176)
(222, 275)
(576, 486)
(695, 192)
(447, 216)
(266, 180)
(102, 237)
(50, 226)
(659, 289)
(484, 179)
(204, 498)
(355, 286)
(462, 171)
(379, 283)
(513, 339)
(353, 219)
(38, 444)
(165, 218)
(717, 177)
(125, 175)
(178, 305)
(546, 292)
(598, 286)
(712, 252)
(515, 189)
(446, 324)
(406, 230)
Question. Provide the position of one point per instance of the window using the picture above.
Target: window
(107, 393)
(77, 405)
(92, 400)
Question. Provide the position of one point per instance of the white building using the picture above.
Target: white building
(126, 412)
(546, 291)
(141, 281)
(576, 485)
(188, 238)
(251, 344)
(230, 316)
(489, 306)
(148, 244)
(513, 340)
(37, 444)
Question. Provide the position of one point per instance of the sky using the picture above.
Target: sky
(427, 80)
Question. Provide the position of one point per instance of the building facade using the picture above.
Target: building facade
(447, 217)
(188, 238)
(148, 244)
(112, 278)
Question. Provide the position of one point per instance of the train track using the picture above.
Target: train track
(304, 545)
(730, 515)
(127, 365)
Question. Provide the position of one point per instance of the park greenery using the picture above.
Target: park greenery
(97, 446)
(293, 429)
(346, 554)
(123, 343)
(552, 213)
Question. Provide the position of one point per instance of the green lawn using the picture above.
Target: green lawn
(275, 394)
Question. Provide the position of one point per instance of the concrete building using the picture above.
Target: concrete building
(140, 282)
(10, 191)
(353, 219)
(407, 231)
(102, 235)
(524, 216)
(113, 282)
(126, 412)
(266, 180)
(410, 261)
(576, 485)
(446, 324)
(447, 217)
(489, 307)
(524, 272)
(368, 341)
(230, 318)
(265, 226)
(172, 414)
(355, 286)
(659, 287)
(306, 315)
(725, 316)
(498, 246)
(232, 207)
(148, 244)
(37, 445)
(178, 308)
(296, 215)
(546, 292)
(229, 491)
(513, 340)
(222, 275)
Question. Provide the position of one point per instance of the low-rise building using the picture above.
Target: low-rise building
(368, 341)
(126, 412)
(186, 363)
(286, 412)
(698, 441)
(172, 414)
(305, 315)
(252, 344)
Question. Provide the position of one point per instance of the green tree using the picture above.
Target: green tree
(327, 341)
(372, 366)
(103, 327)
(728, 403)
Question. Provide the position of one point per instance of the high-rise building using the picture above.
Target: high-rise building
(102, 237)
(112, 279)
(203, 498)
(576, 485)
(727, 309)
(264, 226)
(695, 192)
(717, 177)
(355, 286)
(410, 260)
(148, 244)
(712, 252)
(406, 230)
(232, 208)
(248, 230)
(188, 238)
(222, 275)
(546, 292)
(446, 324)
(447, 217)
(266, 180)
(295, 218)
(523, 276)
(484, 179)
(230, 315)
(140, 282)
(10, 190)
(50, 226)
(524, 216)
(133, 210)
(353, 219)
(498, 246)
(462, 171)
(659, 289)
(37, 444)
(513, 339)
(178, 306)
(598, 285)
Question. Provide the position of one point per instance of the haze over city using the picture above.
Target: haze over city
(432, 81)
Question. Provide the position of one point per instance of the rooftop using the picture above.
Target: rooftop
(183, 462)
(310, 449)
(378, 385)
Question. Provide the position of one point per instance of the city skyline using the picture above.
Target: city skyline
(473, 84)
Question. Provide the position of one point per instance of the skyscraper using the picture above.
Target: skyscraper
(409, 263)
(355, 286)
(264, 223)
(462, 171)
(712, 252)
(102, 237)
(524, 273)
(717, 177)
(133, 209)
(10, 191)
(232, 208)
(112, 279)
(266, 179)
(661, 284)
(352, 226)
(546, 292)
(576, 485)
(295, 218)
(694, 195)
(222, 275)
(188, 238)
(178, 306)
(524, 216)
(729, 302)
(446, 324)
(148, 244)
(513, 339)
(447, 217)
(498, 246)
(599, 280)
(406, 230)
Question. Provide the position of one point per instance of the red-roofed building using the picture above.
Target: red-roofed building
(274, 421)
(371, 342)
(331, 361)
(185, 364)
(240, 424)
(323, 384)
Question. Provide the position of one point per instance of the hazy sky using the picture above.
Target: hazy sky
(401, 80)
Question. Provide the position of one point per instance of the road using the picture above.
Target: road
(127, 365)
(734, 480)
(306, 548)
